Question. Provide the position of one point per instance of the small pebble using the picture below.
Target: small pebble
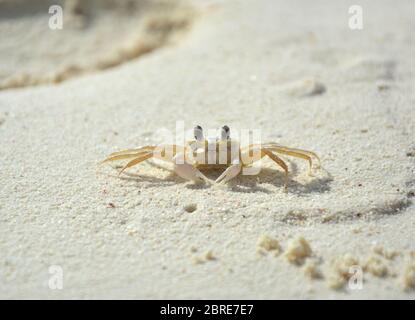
(191, 207)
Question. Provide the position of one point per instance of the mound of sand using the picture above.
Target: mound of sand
(95, 35)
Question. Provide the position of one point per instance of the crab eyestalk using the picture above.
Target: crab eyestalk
(198, 133)
(225, 133)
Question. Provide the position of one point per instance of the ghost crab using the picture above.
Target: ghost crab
(219, 152)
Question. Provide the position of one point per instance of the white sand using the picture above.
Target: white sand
(290, 68)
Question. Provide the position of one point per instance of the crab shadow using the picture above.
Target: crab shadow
(242, 183)
(152, 181)
(252, 183)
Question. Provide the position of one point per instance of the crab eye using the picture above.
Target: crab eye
(225, 133)
(198, 133)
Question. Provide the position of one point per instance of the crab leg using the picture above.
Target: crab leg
(280, 147)
(268, 152)
(294, 150)
(144, 148)
(124, 156)
(132, 153)
(304, 154)
(164, 152)
(136, 161)
(295, 154)
(279, 161)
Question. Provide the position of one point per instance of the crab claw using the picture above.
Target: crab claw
(229, 173)
(186, 170)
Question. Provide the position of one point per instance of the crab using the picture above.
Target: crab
(219, 152)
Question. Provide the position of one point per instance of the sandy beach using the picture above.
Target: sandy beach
(119, 76)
